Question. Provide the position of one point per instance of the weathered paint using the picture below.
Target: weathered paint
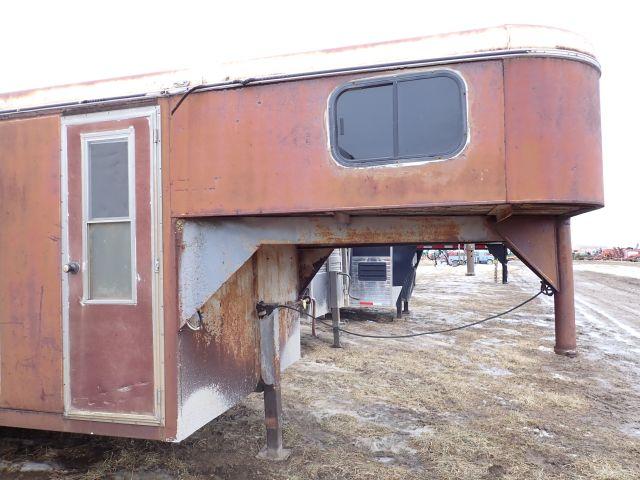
(552, 131)
(212, 249)
(533, 239)
(277, 277)
(263, 149)
(310, 261)
(116, 376)
(221, 363)
(31, 387)
(565, 315)
(57, 422)
(169, 287)
(273, 143)
(269, 328)
(551, 166)
(30, 321)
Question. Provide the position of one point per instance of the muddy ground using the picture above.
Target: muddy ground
(488, 402)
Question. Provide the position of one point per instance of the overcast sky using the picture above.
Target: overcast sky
(46, 43)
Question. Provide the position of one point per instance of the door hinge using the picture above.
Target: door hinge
(156, 135)
(156, 266)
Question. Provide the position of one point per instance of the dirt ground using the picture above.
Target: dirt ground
(488, 402)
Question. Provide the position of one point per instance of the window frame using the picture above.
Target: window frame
(127, 135)
(394, 80)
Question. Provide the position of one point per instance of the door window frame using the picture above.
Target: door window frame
(86, 139)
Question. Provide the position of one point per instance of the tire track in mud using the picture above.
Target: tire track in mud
(604, 318)
(607, 309)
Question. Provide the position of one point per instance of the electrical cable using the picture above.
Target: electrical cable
(185, 95)
(349, 287)
(201, 86)
(544, 290)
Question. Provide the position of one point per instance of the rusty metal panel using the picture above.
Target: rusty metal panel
(277, 272)
(56, 421)
(170, 288)
(211, 250)
(30, 319)
(533, 240)
(264, 149)
(219, 365)
(116, 376)
(30, 310)
(563, 300)
(310, 260)
(224, 153)
(278, 282)
(552, 119)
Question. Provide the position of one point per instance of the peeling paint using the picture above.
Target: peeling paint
(200, 408)
(213, 249)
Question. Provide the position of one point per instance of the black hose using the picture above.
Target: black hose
(544, 289)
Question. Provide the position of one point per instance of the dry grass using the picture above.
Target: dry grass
(489, 402)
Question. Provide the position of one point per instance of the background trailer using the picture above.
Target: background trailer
(144, 218)
(380, 276)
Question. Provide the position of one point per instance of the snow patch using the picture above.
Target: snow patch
(495, 371)
(540, 432)
(36, 467)
(618, 270)
(631, 429)
(388, 443)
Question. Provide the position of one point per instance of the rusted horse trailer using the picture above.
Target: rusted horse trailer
(144, 218)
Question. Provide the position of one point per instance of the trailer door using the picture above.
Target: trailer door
(110, 267)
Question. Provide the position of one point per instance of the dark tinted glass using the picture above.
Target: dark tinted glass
(108, 179)
(399, 119)
(364, 123)
(430, 117)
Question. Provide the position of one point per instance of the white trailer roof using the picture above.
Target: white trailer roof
(507, 40)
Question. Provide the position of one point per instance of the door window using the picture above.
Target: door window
(109, 217)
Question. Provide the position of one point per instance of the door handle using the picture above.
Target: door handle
(71, 267)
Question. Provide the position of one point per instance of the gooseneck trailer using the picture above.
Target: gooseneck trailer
(144, 218)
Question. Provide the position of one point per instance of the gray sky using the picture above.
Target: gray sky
(47, 43)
